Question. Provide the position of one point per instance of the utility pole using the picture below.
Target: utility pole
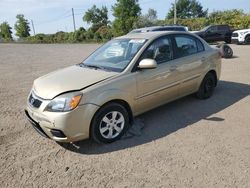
(175, 18)
(33, 27)
(74, 23)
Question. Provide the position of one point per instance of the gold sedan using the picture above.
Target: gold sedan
(127, 76)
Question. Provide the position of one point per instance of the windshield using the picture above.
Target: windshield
(205, 28)
(115, 55)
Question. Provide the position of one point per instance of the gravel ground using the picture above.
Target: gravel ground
(187, 143)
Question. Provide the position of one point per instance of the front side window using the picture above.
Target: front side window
(160, 50)
(212, 29)
(186, 46)
(115, 55)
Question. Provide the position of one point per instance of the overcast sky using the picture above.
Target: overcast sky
(50, 16)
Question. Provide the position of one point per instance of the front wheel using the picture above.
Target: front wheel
(207, 87)
(247, 39)
(109, 123)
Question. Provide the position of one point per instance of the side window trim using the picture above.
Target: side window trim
(188, 36)
(202, 45)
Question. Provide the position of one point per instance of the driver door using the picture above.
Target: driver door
(160, 85)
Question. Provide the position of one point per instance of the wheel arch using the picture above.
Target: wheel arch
(247, 35)
(213, 72)
(122, 102)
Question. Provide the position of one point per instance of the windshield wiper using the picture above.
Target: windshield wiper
(90, 66)
(93, 66)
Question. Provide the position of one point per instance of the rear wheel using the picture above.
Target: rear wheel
(109, 123)
(228, 40)
(247, 39)
(207, 87)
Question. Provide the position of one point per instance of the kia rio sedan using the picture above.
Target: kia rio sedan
(125, 77)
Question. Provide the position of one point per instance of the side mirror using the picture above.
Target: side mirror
(147, 64)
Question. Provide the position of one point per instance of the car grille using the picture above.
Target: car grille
(34, 101)
(235, 35)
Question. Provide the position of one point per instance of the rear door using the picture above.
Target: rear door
(224, 31)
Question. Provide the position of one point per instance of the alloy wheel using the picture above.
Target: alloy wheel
(112, 125)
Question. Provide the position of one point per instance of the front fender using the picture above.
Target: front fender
(113, 94)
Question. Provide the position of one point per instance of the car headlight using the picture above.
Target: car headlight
(64, 103)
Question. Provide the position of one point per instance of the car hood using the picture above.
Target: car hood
(68, 79)
(197, 32)
(194, 31)
(242, 30)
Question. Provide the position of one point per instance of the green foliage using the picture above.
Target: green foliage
(5, 32)
(192, 23)
(236, 19)
(104, 33)
(22, 26)
(98, 17)
(79, 35)
(89, 34)
(126, 13)
(187, 9)
(60, 37)
(40, 38)
(147, 20)
(127, 16)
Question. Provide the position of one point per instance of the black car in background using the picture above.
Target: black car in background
(214, 33)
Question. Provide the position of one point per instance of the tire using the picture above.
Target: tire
(226, 51)
(109, 123)
(247, 39)
(207, 87)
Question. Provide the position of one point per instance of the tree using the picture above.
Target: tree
(126, 13)
(22, 26)
(5, 31)
(187, 9)
(147, 20)
(98, 17)
(104, 33)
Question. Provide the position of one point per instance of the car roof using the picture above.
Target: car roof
(149, 35)
(155, 28)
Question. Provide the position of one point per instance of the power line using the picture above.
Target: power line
(60, 17)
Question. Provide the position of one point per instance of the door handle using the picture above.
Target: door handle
(203, 59)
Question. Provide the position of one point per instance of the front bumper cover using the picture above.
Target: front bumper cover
(63, 127)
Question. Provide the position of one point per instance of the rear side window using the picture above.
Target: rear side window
(187, 45)
(223, 28)
(212, 29)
